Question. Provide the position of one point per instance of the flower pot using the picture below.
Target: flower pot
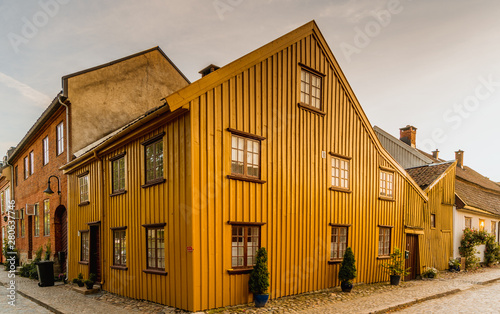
(395, 280)
(89, 286)
(260, 299)
(80, 284)
(346, 286)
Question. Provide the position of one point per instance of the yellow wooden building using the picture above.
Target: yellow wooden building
(270, 150)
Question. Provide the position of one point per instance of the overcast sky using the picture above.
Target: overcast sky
(434, 64)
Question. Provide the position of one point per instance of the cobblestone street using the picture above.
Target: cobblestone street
(451, 292)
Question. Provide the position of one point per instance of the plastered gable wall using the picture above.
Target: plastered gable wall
(105, 99)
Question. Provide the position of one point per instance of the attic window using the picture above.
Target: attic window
(311, 89)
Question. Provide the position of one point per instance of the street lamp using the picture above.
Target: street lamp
(49, 190)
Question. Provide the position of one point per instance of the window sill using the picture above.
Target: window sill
(155, 272)
(84, 203)
(334, 261)
(311, 108)
(386, 198)
(118, 267)
(153, 183)
(118, 193)
(238, 271)
(243, 178)
(383, 257)
(335, 188)
(83, 263)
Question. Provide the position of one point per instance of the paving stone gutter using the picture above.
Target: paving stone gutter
(365, 298)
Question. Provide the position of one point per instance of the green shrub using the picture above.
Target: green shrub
(48, 251)
(347, 270)
(491, 251)
(396, 265)
(38, 255)
(470, 239)
(259, 278)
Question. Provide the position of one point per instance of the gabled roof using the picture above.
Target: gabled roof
(472, 176)
(407, 149)
(476, 197)
(223, 74)
(426, 175)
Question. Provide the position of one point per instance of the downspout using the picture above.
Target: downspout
(67, 181)
(101, 204)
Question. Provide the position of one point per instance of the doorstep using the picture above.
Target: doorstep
(85, 291)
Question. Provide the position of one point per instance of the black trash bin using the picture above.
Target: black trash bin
(45, 271)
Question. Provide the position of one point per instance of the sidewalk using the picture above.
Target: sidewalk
(373, 298)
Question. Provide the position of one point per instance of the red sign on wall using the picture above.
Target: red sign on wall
(190, 249)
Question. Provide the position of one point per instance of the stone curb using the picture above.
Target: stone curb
(489, 281)
(431, 297)
(44, 305)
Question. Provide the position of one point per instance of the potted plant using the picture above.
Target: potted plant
(454, 264)
(430, 273)
(347, 271)
(89, 284)
(396, 266)
(259, 279)
(79, 280)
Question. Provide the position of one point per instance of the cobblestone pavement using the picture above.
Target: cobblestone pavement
(363, 298)
(22, 305)
(482, 299)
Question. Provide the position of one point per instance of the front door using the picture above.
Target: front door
(94, 256)
(412, 261)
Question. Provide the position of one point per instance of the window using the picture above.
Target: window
(155, 246)
(433, 220)
(119, 247)
(386, 184)
(36, 220)
(154, 161)
(340, 172)
(84, 188)
(7, 197)
(2, 200)
(468, 223)
(60, 138)
(494, 228)
(15, 174)
(46, 150)
(32, 162)
(26, 167)
(384, 241)
(245, 243)
(481, 224)
(245, 156)
(310, 89)
(118, 171)
(339, 242)
(46, 218)
(84, 246)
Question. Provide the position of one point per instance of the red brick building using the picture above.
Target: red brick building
(37, 157)
(5, 196)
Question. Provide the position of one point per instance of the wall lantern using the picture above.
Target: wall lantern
(49, 190)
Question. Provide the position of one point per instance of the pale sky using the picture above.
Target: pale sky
(434, 64)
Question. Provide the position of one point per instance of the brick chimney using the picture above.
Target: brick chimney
(459, 157)
(209, 69)
(408, 134)
(435, 154)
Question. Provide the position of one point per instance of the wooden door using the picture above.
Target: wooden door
(94, 256)
(412, 261)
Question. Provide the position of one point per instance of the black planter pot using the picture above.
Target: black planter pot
(89, 286)
(346, 286)
(395, 280)
(260, 299)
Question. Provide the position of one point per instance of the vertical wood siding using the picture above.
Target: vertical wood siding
(295, 203)
(163, 203)
(438, 242)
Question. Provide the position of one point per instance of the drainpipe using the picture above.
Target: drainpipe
(67, 182)
(101, 204)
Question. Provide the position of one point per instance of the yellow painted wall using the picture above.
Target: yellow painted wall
(437, 246)
(164, 203)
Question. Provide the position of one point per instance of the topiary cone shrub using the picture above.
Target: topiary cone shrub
(347, 270)
(259, 277)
